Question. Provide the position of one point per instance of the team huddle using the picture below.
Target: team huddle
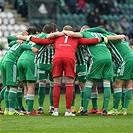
(35, 56)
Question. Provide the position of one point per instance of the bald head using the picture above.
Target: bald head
(84, 27)
(68, 27)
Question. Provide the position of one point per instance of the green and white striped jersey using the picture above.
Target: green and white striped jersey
(46, 56)
(116, 56)
(80, 55)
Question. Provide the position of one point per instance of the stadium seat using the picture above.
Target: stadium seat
(3, 27)
(23, 27)
(0, 20)
(12, 32)
(10, 15)
(6, 33)
(16, 28)
(3, 15)
(5, 21)
(12, 21)
(105, 17)
(1, 34)
(10, 27)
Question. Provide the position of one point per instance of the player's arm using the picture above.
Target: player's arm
(21, 37)
(55, 34)
(72, 34)
(117, 37)
(29, 47)
(42, 41)
(93, 41)
(11, 38)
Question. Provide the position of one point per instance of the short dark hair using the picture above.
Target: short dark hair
(131, 41)
(38, 30)
(48, 28)
(31, 30)
(102, 27)
(54, 27)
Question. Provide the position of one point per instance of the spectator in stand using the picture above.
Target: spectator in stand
(21, 6)
(102, 21)
(96, 22)
(121, 1)
(81, 6)
(90, 18)
(105, 7)
(71, 4)
(125, 25)
(116, 11)
(95, 2)
(118, 28)
(1, 5)
(131, 43)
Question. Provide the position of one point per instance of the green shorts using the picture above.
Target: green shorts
(81, 71)
(9, 74)
(45, 72)
(100, 70)
(27, 70)
(125, 70)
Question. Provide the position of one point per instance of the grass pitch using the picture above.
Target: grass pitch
(61, 124)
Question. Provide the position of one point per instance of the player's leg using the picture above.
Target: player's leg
(128, 96)
(41, 95)
(117, 87)
(82, 89)
(69, 73)
(42, 76)
(107, 93)
(30, 74)
(56, 94)
(69, 95)
(94, 96)
(57, 71)
(2, 97)
(51, 108)
(81, 77)
(73, 109)
(87, 97)
(3, 73)
(19, 98)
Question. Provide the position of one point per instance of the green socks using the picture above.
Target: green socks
(127, 99)
(19, 98)
(2, 94)
(94, 96)
(87, 95)
(6, 103)
(41, 93)
(82, 96)
(12, 99)
(117, 97)
(30, 102)
(107, 93)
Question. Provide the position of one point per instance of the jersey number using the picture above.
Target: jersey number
(66, 38)
(15, 46)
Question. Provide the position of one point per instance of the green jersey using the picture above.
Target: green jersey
(99, 51)
(116, 56)
(123, 48)
(28, 54)
(15, 51)
(11, 38)
(119, 50)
